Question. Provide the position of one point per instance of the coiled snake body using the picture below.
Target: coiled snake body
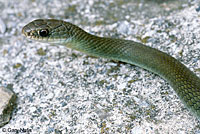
(183, 81)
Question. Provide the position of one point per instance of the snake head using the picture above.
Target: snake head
(48, 30)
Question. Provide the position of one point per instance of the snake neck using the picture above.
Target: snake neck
(178, 75)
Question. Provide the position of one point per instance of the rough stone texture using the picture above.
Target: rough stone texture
(7, 104)
(64, 91)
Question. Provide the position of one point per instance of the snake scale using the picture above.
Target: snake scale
(185, 83)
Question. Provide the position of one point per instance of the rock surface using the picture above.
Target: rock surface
(7, 104)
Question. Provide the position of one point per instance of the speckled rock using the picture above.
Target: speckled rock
(2, 26)
(7, 103)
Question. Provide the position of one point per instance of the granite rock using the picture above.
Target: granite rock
(7, 104)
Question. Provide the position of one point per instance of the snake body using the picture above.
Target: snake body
(185, 83)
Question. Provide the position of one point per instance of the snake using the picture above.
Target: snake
(184, 82)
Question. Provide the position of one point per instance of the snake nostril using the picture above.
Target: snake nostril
(28, 34)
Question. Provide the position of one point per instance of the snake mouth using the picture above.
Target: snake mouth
(24, 32)
(27, 32)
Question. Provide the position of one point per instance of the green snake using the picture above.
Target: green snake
(185, 83)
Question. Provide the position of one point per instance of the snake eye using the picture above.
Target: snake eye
(44, 32)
